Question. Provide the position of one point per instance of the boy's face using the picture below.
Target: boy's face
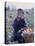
(20, 14)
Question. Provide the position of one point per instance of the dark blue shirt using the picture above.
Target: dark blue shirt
(19, 24)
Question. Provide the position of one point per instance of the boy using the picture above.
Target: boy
(19, 23)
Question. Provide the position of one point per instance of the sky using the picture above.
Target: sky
(19, 5)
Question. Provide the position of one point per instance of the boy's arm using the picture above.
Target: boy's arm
(15, 25)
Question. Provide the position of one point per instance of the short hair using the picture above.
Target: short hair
(20, 10)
